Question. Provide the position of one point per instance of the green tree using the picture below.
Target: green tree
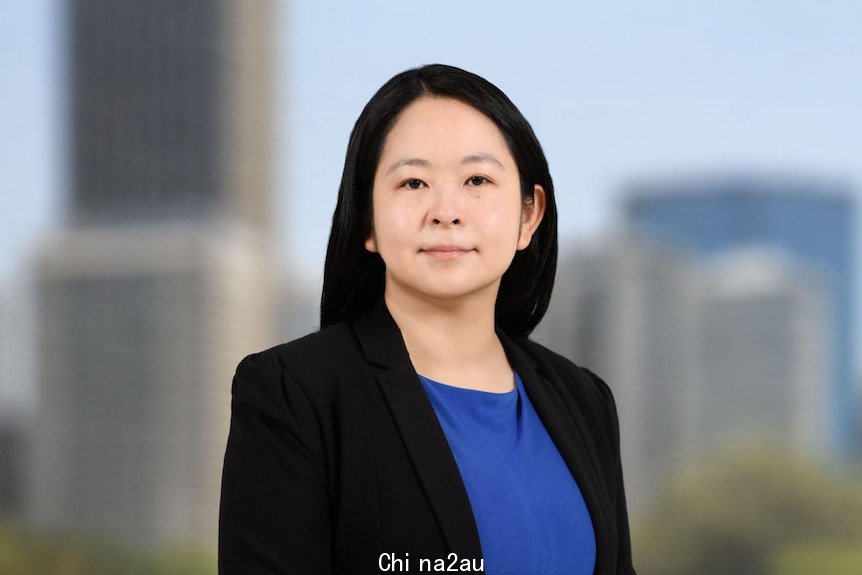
(822, 559)
(25, 552)
(750, 513)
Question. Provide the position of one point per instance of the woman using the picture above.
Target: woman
(420, 430)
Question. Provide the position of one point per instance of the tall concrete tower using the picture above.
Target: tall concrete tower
(765, 360)
(162, 278)
(170, 111)
(626, 308)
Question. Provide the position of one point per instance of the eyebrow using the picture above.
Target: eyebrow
(408, 162)
(481, 158)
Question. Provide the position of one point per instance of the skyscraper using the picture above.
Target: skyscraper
(810, 220)
(764, 353)
(626, 308)
(16, 394)
(162, 279)
(170, 110)
(702, 357)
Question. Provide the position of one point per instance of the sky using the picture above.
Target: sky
(615, 91)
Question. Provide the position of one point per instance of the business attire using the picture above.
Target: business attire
(337, 462)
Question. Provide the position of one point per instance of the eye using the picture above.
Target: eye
(477, 180)
(413, 184)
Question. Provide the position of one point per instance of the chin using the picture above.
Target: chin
(437, 286)
(451, 294)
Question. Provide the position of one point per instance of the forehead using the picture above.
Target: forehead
(444, 129)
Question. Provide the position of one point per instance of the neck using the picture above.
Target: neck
(446, 334)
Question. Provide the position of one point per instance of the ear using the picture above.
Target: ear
(371, 243)
(531, 217)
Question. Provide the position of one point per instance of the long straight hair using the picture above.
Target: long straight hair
(354, 278)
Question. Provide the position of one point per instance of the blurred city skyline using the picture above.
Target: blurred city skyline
(145, 197)
(613, 92)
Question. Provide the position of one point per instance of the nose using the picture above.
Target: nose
(453, 221)
(447, 209)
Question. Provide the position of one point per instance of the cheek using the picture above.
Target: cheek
(503, 219)
(393, 227)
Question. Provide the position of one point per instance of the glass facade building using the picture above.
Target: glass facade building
(810, 220)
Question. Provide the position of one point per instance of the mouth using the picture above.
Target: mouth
(446, 252)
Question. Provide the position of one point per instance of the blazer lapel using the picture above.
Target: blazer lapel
(420, 429)
(568, 433)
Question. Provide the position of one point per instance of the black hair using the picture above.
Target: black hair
(353, 278)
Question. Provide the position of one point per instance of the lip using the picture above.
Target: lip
(446, 252)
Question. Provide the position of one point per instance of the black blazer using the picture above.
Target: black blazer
(335, 455)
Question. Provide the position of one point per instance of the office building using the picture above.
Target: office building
(765, 355)
(704, 357)
(161, 281)
(626, 309)
(811, 220)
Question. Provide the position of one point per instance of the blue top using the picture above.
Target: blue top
(529, 511)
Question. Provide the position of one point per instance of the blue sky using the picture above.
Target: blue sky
(614, 91)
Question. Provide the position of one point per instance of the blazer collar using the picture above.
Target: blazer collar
(567, 426)
(383, 345)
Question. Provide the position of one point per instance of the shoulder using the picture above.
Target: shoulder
(552, 363)
(294, 372)
(574, 381)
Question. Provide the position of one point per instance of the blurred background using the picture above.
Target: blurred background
(170, 167)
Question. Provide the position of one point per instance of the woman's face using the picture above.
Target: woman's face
(447, 209)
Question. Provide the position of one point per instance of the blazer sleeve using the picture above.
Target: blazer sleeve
(274, 514)
(624, 556)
